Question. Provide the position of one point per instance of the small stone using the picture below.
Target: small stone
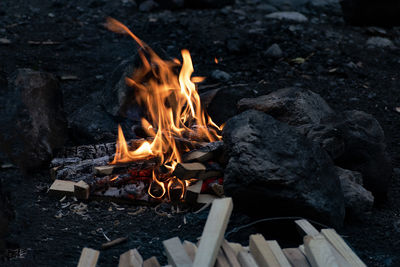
(221, 75)
(5, 41)
(291, 16)
(380, 42)
(274, 51)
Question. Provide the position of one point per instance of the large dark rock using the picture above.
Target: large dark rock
(274, 170)
(371, 12)
(32, 121)
(294, 106)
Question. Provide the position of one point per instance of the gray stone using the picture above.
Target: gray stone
(148, 5)
(267, 8)
(221, 75)
(274, 51)
(294, 106)
(290, 16)
(379, 42)
(208, 3)
(32, 119)
(274, 170)
(358, 200)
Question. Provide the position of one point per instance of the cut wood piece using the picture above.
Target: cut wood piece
(318, 252)
(104, 170)
(131, 258)
(190, 249)
(306, 228)
(81, 190)
(211, 151)
(88, 257)
(262, 252)
(213, 232)
(277, 251)
(341, 246)
(230, 254)
(296, 257)
(236, 247)
(192, 192)
(151, 262)
(221, 260)
(302, 249)
(113, 242)
(206, 198)
(198, 170)
(61, 188)
(246, 259)
(176, 253)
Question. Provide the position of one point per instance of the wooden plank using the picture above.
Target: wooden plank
(221, 260)
(246, 259)
(261, 252)
(131, 258)
(230, 254)
(206, 198)
(193, 191)
(151, 262)
(318, 252)
(277, 251)
(104, 170)
(296, 257)
(213, 232)
(89, 257)
(61, 188)
(198, 170)
(176, 253)
(302, 249)
(236, 247)
(341, 246)
(190, 248)
(306, 228)
(81, 190)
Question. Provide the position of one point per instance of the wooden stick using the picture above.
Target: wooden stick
(318, 252)
(151, 262)
(296, 257)
(113, 242)
(306, 228)
(213, 232)
(277, 251)
(190, 248)
(261, 252)
(176, 253)
(230, 254)
(246, 259)
(88, 257)
(131, 258)
(340, 245)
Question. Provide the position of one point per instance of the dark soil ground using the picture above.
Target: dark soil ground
(42, 236)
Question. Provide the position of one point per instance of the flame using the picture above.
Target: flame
(216, 60)
(173, 109)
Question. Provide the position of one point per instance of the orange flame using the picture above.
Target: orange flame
(173, 108)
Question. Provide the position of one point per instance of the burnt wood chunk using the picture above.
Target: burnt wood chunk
(211, 151)
(114, 242)
(61, 188)
(198, 170)
(192, 192)
(81, 190)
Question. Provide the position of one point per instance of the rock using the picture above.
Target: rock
(32, 120)
(290, 16)
(358, 200)
(208, 3)
(147, 6)
(294, 106)
(274, 170)
(221, 104)
(236, 45)
(4, 220)
(267, 8)
(371, 12)
(274, 51)
(380, 42)
(220, 75)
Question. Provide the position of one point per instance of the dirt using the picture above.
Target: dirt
(337, 65)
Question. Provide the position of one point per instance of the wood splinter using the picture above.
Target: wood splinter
(114, 242)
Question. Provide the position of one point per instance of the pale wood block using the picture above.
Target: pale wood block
(296, 257)
(104, 170)
(131, 258)
(89, 257)
(176, 253)
(318, 252)
(213, 232)
(190, 248)
(151, 262)
(246, 259)
(277, 251)
(340, 245)
(221, 260)
(61, 188)
(236, 247)
(81, 190)
(262, 252)
(306, 228)
(206, 198)
(230, 254)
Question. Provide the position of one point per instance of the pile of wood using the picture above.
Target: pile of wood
(320, 249)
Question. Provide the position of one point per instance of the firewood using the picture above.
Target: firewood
(71, 171)
(61, 188)
(206, 153)
(192, 192)
(176, 253)
(205, 198)
(190, 248)
(59, 162)
(88, 257)
(246, 259)
(296, 257)
(306, 228)
(87, 151)
(221, 260)
(131, 258)
(236, 247)
(197, 170)
(277, 251)
(262, 252)
(230, 254)
(318, 252)
(81, 190)
(113, 242)
(151, 262)
(340, 245)
(213, 232)
(104, 170)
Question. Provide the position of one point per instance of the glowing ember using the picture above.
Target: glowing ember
(173, 109)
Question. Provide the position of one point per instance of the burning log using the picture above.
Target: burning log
(211, 151)
(197, 170)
